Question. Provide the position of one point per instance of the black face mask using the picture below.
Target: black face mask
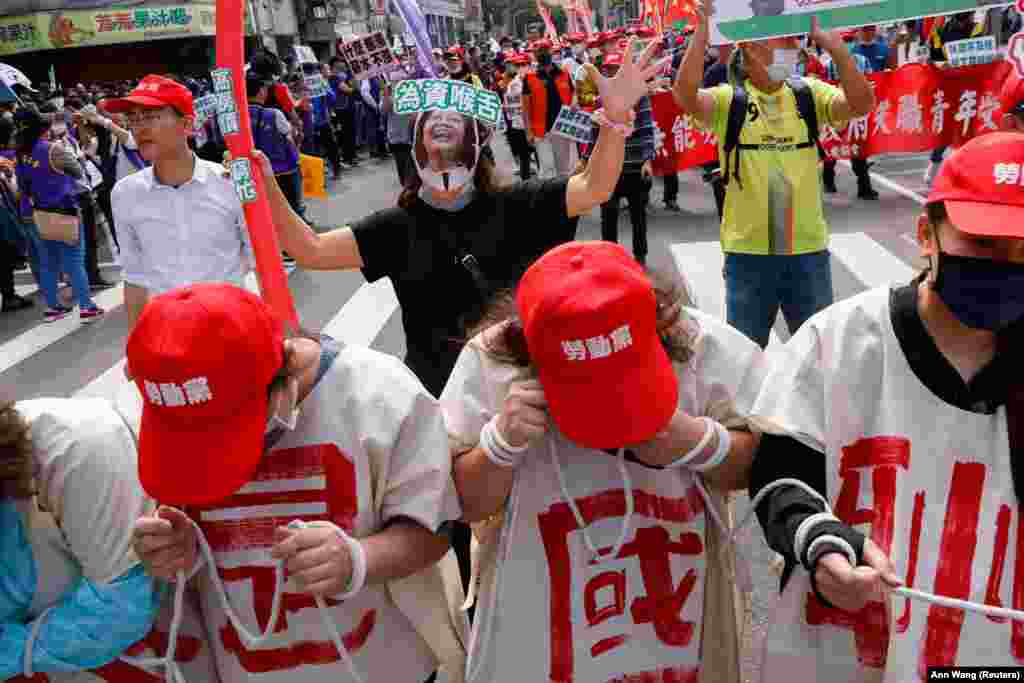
(982, 293)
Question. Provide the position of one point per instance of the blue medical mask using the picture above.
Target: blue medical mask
(982, 293)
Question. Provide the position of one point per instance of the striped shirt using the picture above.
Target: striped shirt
(639, 145)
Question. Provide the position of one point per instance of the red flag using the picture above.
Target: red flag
(269, 268)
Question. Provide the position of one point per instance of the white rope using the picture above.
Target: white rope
(903, 591)
(172, 671)
(627, 484)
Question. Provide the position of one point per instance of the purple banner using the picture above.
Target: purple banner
(416, 24)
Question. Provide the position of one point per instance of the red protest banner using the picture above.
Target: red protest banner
(922, 107)
(269, 268)
(919, 108)
(678, 142)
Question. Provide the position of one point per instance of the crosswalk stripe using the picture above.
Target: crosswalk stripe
(358, 322)
(869, 261)
(39, 337)
(700, 265)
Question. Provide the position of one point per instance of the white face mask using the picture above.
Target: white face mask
(783, 64)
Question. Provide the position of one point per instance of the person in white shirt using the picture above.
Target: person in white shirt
(598, 428)
(179, 221)
(342, 438)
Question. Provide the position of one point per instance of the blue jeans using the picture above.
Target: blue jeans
(57, 257)
(757, 286)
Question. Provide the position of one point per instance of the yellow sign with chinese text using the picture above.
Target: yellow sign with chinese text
(84, 28)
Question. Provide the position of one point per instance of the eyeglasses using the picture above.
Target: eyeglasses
(137, 119)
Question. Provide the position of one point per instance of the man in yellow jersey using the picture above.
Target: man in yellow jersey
(774, 233)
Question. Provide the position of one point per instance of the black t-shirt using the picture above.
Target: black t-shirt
(424, 251)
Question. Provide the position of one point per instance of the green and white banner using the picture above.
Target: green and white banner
(429, 94)
(739, 20)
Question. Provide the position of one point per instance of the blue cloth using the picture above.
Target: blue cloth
(876, 54)
(342, 102)
(57, 257)
(757, 286)
(90, 626)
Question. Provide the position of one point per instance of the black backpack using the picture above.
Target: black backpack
(738, 116)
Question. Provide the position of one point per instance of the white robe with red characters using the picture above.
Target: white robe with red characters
(665, 610)
(928, 482)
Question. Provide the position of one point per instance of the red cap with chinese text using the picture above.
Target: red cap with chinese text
(589, 313)
(982, 186)
(203, 357)
(154, 92)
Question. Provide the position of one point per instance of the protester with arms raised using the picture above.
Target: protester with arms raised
(774, 233)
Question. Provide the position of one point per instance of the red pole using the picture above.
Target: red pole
(269, 268)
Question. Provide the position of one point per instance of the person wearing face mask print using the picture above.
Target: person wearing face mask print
(546, 91)
(917, 386)
(773, 231)
(597, 427)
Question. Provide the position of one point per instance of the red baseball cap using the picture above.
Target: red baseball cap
(594, 41)
(590, 317)
(646, 32)
(203, 357)
(154, 92)
(519, 59)
(542, 44)
(612, 59)
(575, 37)
(1011, 97)
(606, 37)
(982, 186)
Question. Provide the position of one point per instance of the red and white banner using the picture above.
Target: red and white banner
(919, 108)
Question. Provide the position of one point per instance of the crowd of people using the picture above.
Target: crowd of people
(541, 491)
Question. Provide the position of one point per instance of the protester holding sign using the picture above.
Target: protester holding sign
(774, 233)
(588, 420)
(901, 410)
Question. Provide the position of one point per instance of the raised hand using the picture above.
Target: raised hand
(829, 41)
(620, 94)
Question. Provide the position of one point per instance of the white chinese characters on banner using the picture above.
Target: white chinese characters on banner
(368, 56)
(430, 94)
(227, 110)
(574, 124)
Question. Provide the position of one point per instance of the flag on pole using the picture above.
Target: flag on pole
(416, 25)
(549, 25)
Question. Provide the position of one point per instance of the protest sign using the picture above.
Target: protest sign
(429, 94)
(233, 118)
(205, 106)
(304, 54)
(738, 20)
(972, 51)
(368, 56)
(575, 125)
(919, 108)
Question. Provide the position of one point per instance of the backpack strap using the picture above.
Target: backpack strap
(808, 112)
(730, 148)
